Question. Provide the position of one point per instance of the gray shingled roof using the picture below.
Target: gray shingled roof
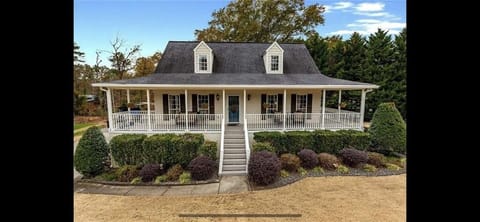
(236, 64)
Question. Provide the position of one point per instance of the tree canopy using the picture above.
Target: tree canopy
(262, 21)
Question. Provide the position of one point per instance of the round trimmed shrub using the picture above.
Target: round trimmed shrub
(150, 171)
(376, 159)
(290, 162)
(328, 161)
(309, 158)
(261, 146)
(209, 148)
(127, 149)
(353, 157)
(202, 168)
(174, 172)
(388, 130)
(263, 167)
(127, 173)
(91, 155)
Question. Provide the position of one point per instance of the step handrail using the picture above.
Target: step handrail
(222, 136)
(247, 144)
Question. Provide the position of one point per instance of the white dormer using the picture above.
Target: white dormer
(273, 59)
(203, 56)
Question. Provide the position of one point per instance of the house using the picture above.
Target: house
(227, 90)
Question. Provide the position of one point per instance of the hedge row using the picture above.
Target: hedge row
(168, 149)
(319, 141)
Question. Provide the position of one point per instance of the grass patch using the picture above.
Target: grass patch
(284, 173)
(77, 126)
(342, 169)
(318, 170)
(107, 176)
(391, 166)
(302, 171)
(369, 168)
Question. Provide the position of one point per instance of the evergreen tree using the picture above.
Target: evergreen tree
(318, 48)
(388, 130)
(399, 80)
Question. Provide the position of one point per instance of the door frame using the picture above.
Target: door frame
(228, 106)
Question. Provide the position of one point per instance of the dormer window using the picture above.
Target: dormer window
(203, 56)
(203, 64)
(273, 59)
(274, 63)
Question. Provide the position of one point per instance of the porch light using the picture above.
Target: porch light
(218, 97)
(248, 97)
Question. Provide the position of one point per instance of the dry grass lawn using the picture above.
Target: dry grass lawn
(317, 199)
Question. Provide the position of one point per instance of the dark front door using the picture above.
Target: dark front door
(233, 109)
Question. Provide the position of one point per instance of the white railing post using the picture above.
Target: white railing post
(148, 111)
(223, 105)
(362, 109)
(222, 136)
(323, 109)
(109, 110)
(284, 108)
(244, 103)
(339, 103)
(186, 110)
(247, 143)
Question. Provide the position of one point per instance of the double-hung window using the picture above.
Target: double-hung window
(301, 105)
(202, 63)
(203, 104)
(173, 104)
(274, 63)
(272, 103)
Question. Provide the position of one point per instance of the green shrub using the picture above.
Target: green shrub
(376, 159)
(403, 162)
(136, 180)
(275, 138)
(318, 170)
(127, 149)
(260, 146)
(326, 141)
(189, 145)
(397, 161)
(185, 177)
(369, 168)
(328, 161)
(298, 140)
(174, 172)
(171, 149)
(209, 148)
(107, 176)
(392, 166)
(91, 155)
(342, 169)
(127, 173)
(354, 138)
(302, 171)
(388, 129)
(290, 162)
(160, 179)
(284, 173)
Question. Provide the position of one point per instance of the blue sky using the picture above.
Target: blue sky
(152, 23)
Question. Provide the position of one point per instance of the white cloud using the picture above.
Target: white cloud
(374, 14)
(370, 7)
(347, 32)
(338, 6)
(368, 26)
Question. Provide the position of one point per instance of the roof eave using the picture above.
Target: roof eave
(237, 86)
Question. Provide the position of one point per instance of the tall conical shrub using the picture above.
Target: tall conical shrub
(91, 154)
(388, 129)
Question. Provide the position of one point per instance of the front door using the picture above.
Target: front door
(233, 109)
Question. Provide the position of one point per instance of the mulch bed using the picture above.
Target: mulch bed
(214, 179)
(294, 176)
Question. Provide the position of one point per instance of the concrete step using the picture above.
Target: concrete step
(234, 141)
(233, 151)
(234, 162)
(234, 136)
(234, 173)
(233, 167)
(234, 146)
(234, 156)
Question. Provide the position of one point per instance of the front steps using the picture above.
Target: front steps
(234, 155)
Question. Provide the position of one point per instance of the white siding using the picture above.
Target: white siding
(276, 50)
(203, 49)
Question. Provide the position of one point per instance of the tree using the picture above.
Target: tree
(122, 59)
(400, 65)
(262, 21)
(388, 130)
(146, 65)
(91, 155)
(318, 48)
(77, 54)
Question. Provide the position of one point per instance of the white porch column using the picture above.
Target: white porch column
(244, 104)
(128, 100)
(362, 108)
(186, 110)
(284, 107)
(223, 107)
(339, 102)
(148, 111)
(109, 109)
(323, 109)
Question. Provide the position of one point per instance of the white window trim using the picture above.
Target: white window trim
(208, 104)
(179, 109)
(297, 102)
(268, 57)
(198, 63)
(197, 53)
(276, 104)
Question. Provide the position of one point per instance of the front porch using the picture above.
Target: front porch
(205, 110)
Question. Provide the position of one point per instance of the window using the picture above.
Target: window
(274, 63)
(202, 62)
(272, 103)
(173, 104)
(203, 104)
(301, 105)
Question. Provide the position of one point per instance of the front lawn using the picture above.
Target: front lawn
(77, 126)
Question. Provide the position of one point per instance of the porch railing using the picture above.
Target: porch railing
(138, 121)
(303, 121)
